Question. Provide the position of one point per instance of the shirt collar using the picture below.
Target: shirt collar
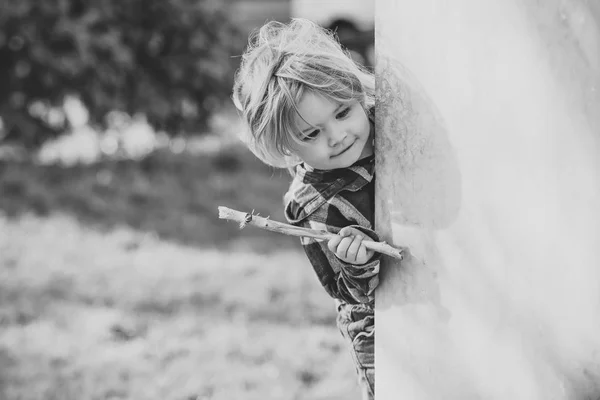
(311, 188)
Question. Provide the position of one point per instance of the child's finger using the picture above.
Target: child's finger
(362, 255)
(354, 247)
(333, 243)
(342, 249)
(346, 231)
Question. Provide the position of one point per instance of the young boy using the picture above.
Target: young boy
(309, 108)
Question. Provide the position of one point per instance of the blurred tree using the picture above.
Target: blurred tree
(169, 59)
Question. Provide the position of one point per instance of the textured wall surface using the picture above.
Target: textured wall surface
(488, 163)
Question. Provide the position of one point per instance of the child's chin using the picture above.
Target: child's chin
(349, 158)
(349, 161)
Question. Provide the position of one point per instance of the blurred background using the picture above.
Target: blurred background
(117, 145)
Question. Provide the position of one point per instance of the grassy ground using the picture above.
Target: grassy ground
(117, 281)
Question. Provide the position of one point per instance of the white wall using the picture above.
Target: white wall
(488, 133)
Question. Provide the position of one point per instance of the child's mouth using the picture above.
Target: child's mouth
(343, 151)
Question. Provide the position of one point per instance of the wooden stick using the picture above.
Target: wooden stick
(274, 226)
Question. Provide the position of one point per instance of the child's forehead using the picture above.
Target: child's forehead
(316, 97)
(315, 108)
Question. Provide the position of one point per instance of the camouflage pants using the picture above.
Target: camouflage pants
(356, 322)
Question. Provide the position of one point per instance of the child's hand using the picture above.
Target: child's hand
(348, 246)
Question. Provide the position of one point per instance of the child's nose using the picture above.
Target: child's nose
(337, 136)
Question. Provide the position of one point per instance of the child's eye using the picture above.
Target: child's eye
(343, 113)
(312, 135)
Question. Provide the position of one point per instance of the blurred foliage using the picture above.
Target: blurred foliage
(170, 60)
(171, 195)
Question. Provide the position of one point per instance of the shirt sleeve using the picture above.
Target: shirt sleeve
(348, 282)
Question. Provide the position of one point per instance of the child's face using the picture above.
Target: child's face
(342, 136)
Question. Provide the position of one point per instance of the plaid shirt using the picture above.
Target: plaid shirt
(331, 200)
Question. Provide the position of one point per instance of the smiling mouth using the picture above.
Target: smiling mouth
(343, 151)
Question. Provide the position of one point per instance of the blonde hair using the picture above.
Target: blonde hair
(281, 63)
